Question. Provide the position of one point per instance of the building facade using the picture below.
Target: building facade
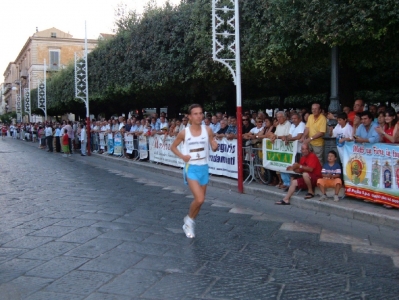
(52, 48)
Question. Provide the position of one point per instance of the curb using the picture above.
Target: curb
(350, 209)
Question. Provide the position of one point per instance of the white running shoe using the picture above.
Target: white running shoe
(323, 197)
(188, 227)
(336, 198)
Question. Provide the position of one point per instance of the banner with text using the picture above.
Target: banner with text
(110, 143)
(278, 155)
(371, 172)
(222, 162)
(143, 148)
(129, 143)
(118, 144)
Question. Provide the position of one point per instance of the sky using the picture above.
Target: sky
(19, 19)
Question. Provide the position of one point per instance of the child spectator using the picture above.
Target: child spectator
(65, 144)
(331, 173)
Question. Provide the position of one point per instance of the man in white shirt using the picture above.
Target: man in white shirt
(295, 133)
(49, 137)
(163, 122)
(283, 127)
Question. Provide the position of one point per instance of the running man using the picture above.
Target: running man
(197, 139)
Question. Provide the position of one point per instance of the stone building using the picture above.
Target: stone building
(52, 47)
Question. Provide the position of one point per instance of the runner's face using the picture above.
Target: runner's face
(196, 116)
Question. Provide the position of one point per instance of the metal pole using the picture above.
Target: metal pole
(45, 90)
(238, 92)
(221, 41)
(87, 97)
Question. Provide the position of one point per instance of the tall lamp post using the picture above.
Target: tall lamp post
(226, 50)
(82, 86)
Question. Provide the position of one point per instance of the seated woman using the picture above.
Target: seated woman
(388, 131)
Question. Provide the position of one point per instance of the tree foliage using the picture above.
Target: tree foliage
(163, 57)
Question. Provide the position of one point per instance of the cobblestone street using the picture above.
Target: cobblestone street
(87, 228)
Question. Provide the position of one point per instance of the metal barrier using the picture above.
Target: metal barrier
(253, 162)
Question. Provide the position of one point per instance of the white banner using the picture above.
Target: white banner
(129, 143)
(102, 141)
(143, 149)
(279, 155)
(222, 162)
(160, 150)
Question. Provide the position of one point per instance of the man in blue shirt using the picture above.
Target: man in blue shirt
(366, 132)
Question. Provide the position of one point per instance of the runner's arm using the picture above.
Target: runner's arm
(180, 138)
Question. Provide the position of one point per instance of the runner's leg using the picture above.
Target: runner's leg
(198, 192)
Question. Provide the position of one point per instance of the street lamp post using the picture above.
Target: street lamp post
(226, 50)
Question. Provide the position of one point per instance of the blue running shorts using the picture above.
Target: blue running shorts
(199, 173)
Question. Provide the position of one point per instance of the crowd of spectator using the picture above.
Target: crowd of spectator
(310, 128)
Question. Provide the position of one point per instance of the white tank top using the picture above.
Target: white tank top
(197, 146)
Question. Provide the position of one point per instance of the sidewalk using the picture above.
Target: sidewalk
(348, 207)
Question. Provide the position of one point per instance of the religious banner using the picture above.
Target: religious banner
(102, 141)
(110, 143)
(371, 172)
(143, 148)
(129, 143)
(118, 144)
(279, 155)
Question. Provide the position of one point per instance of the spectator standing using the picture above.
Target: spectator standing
(389, 131)
(231, 132)
(83, 140)
(366, 133)
(57, 138)
(49, 137)
(342, 132)
(215, 125)
(222, 131)
(296, 131)
(65, 143)
(358, 107)
(316, 127)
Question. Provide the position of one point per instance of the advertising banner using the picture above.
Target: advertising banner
(224, 160)
(118, 144)
(279, 155)
(129, 143)
(143, 149)
(110, 143)
(371, 172)
(160, 150)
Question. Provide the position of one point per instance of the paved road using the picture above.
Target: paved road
(85, 228)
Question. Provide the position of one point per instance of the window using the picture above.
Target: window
(54, 34)
(54, 59)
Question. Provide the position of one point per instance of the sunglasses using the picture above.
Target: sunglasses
(245, 119)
